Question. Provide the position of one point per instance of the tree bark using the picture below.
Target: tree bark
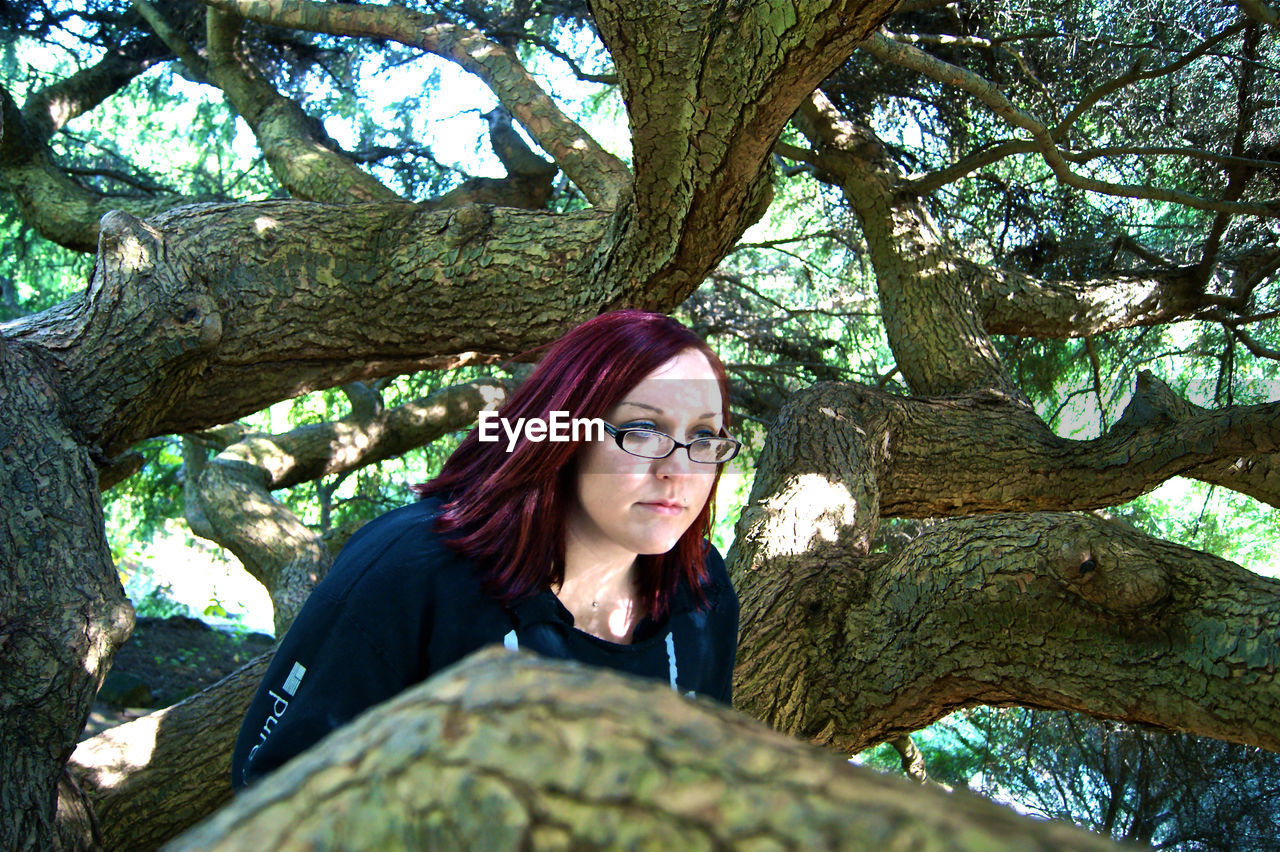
(709, 88)
(978, 453)
(208, 313)
(509, 751)
(64, 612)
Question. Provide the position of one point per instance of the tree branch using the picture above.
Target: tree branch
(888, 50)
(299, 151)
(1137, 75)
(926, 183)
(600, 175)
(1045, 610)
(1022, 305)
(151, 779)
(59, 208)
(708, 90)
(928, 304)
(911, 756)
(48, 110)
(198, 292)
(325, 449)
(976, 453)
(173, 39)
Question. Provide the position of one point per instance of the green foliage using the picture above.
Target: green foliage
(35, 274)
(137, 508)
(157, 603)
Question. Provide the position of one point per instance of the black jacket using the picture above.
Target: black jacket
(398, 606)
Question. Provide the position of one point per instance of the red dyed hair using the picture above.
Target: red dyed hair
(509, 510)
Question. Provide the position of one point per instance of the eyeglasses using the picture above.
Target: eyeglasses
(652, 444)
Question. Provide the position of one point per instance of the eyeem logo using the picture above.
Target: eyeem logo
(279, 704)
(560, 427)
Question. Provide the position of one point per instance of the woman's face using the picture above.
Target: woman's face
(628, 505)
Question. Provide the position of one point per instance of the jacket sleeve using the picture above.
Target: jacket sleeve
(326, 671)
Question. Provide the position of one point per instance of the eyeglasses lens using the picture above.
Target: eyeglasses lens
(711, 450)
(650, 445)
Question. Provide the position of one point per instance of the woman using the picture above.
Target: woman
(590, 550)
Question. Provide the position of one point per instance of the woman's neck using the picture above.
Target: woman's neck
(600, 591)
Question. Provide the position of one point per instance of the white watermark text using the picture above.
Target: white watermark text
(558, 427)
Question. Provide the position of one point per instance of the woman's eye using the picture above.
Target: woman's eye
(639, 424)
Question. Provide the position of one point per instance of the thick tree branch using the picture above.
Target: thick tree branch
(600, 175)
(252, 298)
(928, 303)
(1048, 610)
(48, 110)
(1014, 303)
(888, 50)
(510, 751)
(151, 779)
(325, 449)
(230, 504)
(977, 453)
(911, 757)
(708, 89)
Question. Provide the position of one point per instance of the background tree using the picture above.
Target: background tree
(1169, 791)
(965, 172)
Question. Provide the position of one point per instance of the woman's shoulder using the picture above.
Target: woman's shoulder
(715, 590)
(396, 552)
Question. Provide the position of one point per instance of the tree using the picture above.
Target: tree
(198, 314)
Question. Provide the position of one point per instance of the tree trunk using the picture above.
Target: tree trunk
(63, 612)
(510, 751)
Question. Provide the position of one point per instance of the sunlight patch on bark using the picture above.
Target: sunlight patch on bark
(263, 224)
(809, 508)
(112, 756)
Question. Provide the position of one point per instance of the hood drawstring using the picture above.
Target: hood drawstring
(671, 660)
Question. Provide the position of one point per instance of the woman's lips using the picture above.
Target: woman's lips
(663, 507)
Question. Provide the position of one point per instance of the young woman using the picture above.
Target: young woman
(590, 550)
